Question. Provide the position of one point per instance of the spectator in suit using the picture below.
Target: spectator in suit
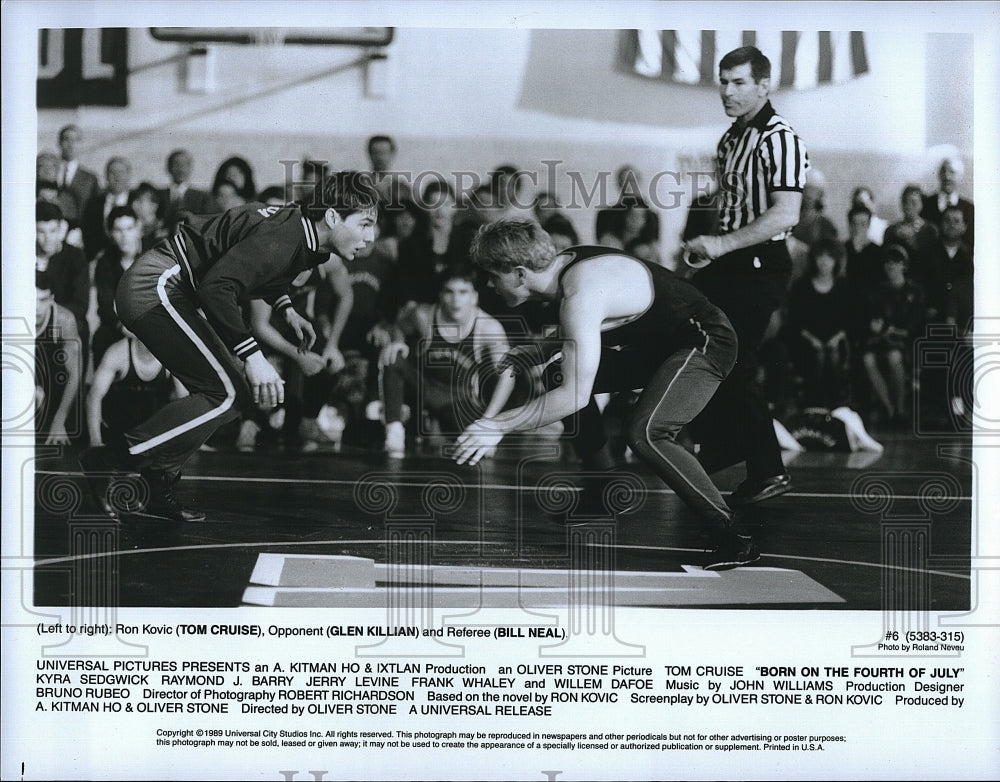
(77, 182)
(949, 283)
(118, 176)
(47, 171)
(950, 174)
(180, 198)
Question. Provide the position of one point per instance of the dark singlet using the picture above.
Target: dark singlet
(453, 363)
(132, 399)
(50, 372)
(674, 317)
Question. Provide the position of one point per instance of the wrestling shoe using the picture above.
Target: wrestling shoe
(99, 464)
(395, 440)
(161, 502)
(750, 492)
(732, 550)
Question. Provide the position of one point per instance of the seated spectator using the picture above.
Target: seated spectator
(48, 173)
(312, 172)
(63, 269)
(392, 186)
(181, 199)
(561, 230)
(814, 227)
(58, 367)
(864, 198)
(949, 290)
(145, 202)
(237, 174)
(272, 196)
(227, 196)
(634, 227)
(446, 355)
(895, 314)
(118, 174)
(309, 375)
(427, 251)
(819, 312)
(402, 222)
(372, 277)
(950, 174)
(950, 297)
(915, 234)
(126, 246)
(546, 205)
(864, 272)
(610, 228)
(48, 191)
(864, 267)
(508, 196)
(130, 384)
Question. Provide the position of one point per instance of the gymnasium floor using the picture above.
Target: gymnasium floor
(858, 531)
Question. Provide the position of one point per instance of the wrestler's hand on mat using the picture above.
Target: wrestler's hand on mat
(479, 441)
(57, 434)
(265, 383)
(303, 329)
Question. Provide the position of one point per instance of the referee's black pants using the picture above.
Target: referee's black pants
(749, 286)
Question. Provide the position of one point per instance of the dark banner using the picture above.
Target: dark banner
(82, 67)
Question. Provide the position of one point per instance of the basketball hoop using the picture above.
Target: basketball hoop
(270, 45)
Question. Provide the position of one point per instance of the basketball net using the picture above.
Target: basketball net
(270, 56)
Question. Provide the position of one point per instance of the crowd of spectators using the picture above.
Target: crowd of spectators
(857, 303)
(861, 303)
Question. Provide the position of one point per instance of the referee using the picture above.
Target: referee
(762, 166)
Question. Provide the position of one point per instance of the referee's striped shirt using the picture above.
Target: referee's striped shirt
(764, 157)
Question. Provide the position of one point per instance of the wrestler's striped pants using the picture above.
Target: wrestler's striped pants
(157, 303)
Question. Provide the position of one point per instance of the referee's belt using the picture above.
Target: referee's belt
(772, 254)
